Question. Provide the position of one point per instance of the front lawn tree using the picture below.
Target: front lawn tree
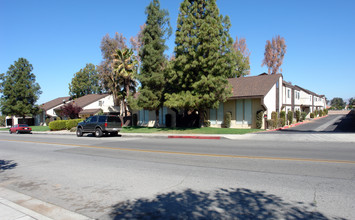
(70, 110)
(19, 89)
(337, 103)
(203, 59)
(85, 82)
(242, 57)
(154, 63)
(124, 73)
(108, 76)
(275, 51)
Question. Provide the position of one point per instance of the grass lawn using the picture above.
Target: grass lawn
(189, 130)
(34, 128)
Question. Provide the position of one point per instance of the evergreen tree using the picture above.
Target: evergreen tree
(85, 82)
(154, 62)
(20, 91)
(204, 58)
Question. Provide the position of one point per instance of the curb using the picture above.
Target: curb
(196, 137)
(32, 208)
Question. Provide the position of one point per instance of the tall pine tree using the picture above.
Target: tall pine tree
(154, 63)
(19, 89)
(204, 59)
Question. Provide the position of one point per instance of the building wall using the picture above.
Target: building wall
(270, 101)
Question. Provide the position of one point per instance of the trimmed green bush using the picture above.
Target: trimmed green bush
(72, 123)
(227, 120)
(320, 113)
(259, 119)
(325, 111)
(298, 115)
(271, 123)
(311, 115)
(315, 113)
(283, 117)
(274, 117)
(58, 125)
(281, 122)
(303, 116)
(290, 117)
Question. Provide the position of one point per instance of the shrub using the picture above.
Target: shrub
(303, 116)
(298, 115)
(57, 125)
(290, 117)
(311, 115)
(315, 113)
(259, 119)
(274, 117)
(320, 113)
(325, 111)
(2, 120)
(227, 120)
(72, 123)
(283, 117)
(207, 123)
(281, 122)
(48, 120)
(271, 123)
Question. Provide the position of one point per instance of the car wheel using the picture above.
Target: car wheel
(17, 132)
(10, 132)
(79, 132)
(98, 132)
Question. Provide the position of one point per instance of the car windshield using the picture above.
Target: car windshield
(23, 126)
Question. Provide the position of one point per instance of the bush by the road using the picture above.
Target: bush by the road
(58, 125)
(72, 123)
(298, 115)
(311, 115)
(63, 124)
(303, 116)
(290, 117)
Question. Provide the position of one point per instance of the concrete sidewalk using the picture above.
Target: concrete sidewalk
(17, 206)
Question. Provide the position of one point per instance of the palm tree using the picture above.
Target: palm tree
(125, 66)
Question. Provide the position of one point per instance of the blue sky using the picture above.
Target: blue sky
(60, 37)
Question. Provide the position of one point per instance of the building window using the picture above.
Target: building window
(216, 115)
(101, 103)
(288, 93)
(244, 111)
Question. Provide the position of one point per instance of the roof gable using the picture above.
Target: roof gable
(54, 103)
(253, 85)
(88, 99)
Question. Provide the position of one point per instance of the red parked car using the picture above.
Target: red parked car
(20, 128)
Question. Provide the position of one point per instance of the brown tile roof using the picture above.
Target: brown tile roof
(53, 103)
(252, 86)
(88, 99)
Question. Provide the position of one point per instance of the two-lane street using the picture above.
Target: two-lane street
(306, 172)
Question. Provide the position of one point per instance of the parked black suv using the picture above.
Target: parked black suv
(99, 125)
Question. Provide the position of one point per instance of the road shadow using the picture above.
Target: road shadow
(233, 203)
(7, 165)
(346, 124)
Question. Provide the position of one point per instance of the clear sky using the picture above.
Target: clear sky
(60, 37)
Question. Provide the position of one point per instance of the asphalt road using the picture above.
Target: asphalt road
(304, 174)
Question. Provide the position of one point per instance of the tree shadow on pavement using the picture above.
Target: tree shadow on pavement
(220, 204)
(7, 165)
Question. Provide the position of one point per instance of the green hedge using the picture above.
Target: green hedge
(227, 120)
(63, 124)
(72, 123)
(298, 115)
(58, 125)
(290, 117)
(259, 119)
(283, 118)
